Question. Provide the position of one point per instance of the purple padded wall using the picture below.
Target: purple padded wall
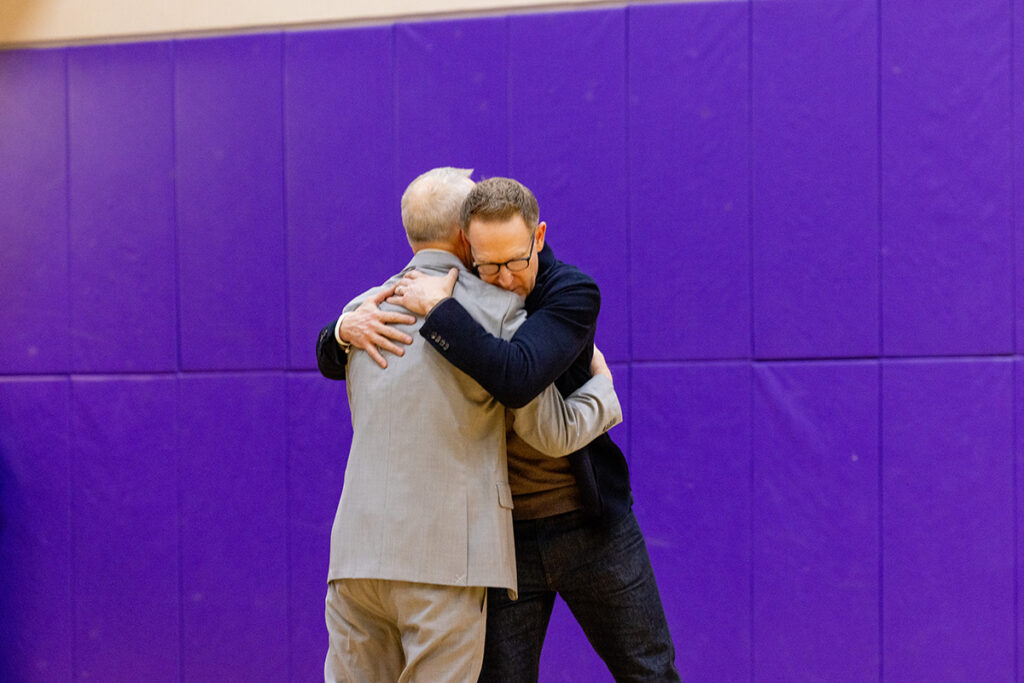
(261, 171)
(815, 179)
(35, 530)
(319, 433)
(567, 140)
(1018, 414)
(567, 655)
(688, 181)
(451, 99)
(125, 520)
(946, 178)
(121, 131)
(816, 510)
(344, 229)
(1018, 158)
(33, 210)
(234, 522)
(948, 520)
(230, 172)
(691, 480)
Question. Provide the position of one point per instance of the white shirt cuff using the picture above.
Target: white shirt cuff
(345, 346)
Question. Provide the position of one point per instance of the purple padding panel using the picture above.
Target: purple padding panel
(815, 178)
(688, 141)
(451, 109)
(1018, 412)
(228, 134)
(567, 654)
(121, 130)
(344, 227)
(234, 527)
(1018, 150)
(35, 532)
(948, 521)
(947, 286)
(319, 435)
(125, 520)
(567, 143)
(33, 211)
(691, 480)
(816, 510)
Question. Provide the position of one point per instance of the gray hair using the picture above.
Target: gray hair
(499, 199)
(430, 205)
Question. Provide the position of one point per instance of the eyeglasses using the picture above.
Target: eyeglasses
(514, 265)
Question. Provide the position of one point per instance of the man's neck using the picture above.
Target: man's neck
(440, 246)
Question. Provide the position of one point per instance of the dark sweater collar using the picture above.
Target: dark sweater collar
(546, 261)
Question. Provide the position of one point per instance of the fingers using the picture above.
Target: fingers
(382, 295)
(378, 331)
(371, 329)
(598, 364)
(396, 318)
(419, 292)
(409, 299)
(377, 357)
(370, 308)
(392, 333)
(399, 290)
(378, 344)
(385, 344)
(380, 334)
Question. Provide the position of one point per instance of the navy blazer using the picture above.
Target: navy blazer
(555, 344)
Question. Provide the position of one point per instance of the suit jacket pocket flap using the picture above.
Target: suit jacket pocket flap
(504, 495)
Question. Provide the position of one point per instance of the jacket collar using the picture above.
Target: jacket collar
(435, 258)
(547, 262)
(546, 258)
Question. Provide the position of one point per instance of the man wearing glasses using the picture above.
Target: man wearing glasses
(424, 524)
(575, 533)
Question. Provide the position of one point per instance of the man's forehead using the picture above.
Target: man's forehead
(492, 230)
(500, 244)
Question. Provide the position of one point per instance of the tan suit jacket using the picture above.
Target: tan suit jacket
(426, 495)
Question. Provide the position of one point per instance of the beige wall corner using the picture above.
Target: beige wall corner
(45, 22)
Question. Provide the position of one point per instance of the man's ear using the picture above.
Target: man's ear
(542, 228)
(466, 254)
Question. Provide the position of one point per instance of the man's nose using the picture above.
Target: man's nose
(505, 278)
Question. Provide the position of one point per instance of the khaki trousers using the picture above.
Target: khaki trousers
(381, 631)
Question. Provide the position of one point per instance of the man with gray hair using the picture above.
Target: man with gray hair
(424, 524)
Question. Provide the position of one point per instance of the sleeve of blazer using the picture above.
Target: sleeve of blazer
(557, 426)
(516, 371)
(330, 358)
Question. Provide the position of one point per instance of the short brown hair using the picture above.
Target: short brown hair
(500, 199)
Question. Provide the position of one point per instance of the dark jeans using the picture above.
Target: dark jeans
(604, 575)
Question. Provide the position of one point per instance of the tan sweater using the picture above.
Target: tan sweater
(542, 486)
